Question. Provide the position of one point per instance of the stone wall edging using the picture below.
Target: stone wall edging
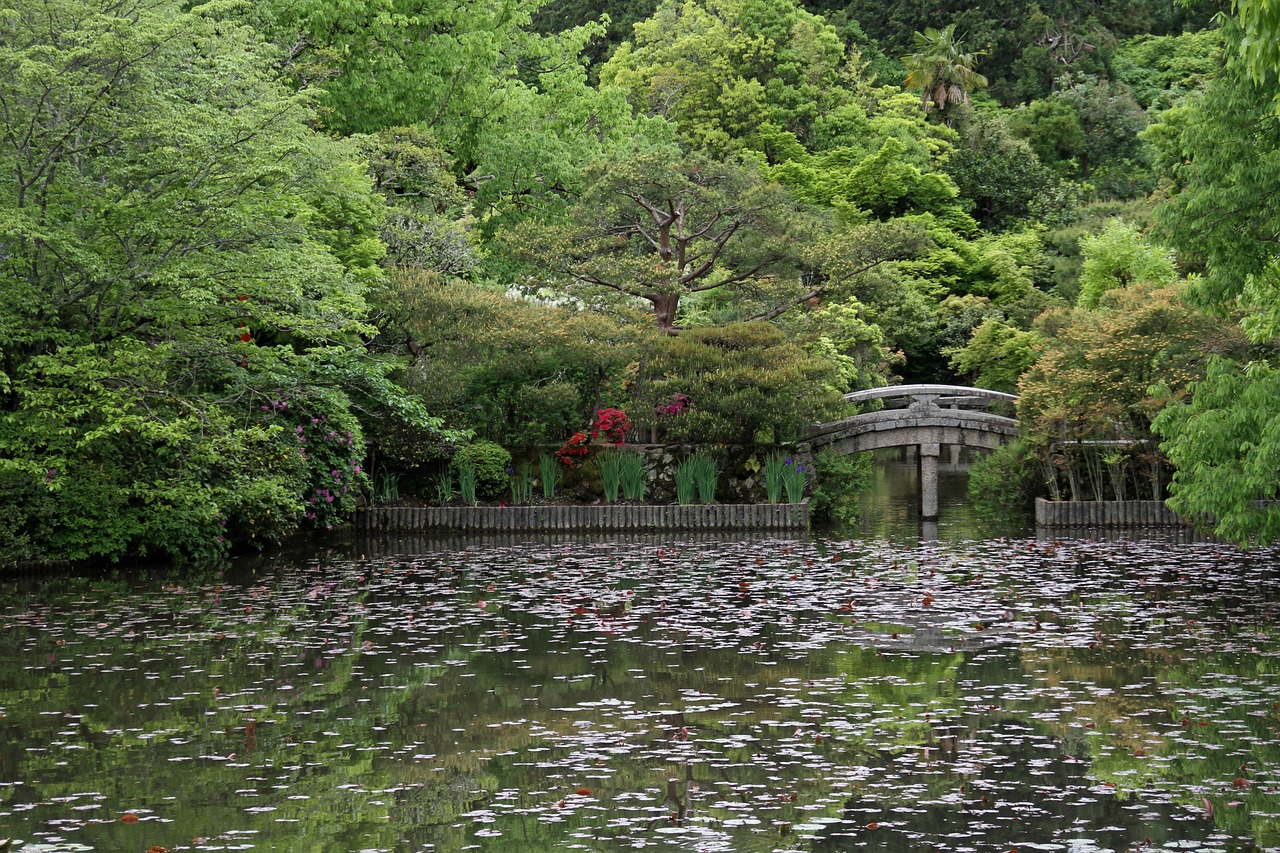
(1118, 514)
(616, 517)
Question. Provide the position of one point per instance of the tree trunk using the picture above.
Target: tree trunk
(665, 306)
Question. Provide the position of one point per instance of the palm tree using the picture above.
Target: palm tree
(941, 69)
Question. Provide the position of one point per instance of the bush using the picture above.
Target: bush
(492, 465)
(736, 384)
(1006, 482)
(842, 478)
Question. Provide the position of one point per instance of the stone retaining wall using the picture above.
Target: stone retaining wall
(1105, 514)
(608, 517)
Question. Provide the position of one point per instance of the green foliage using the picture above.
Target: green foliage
(745, 382)
(514, 370)
(705, 470)
(883, 184)
(182, 287)
(840, 481)
(632, 476)
(733, 73)
(1259, 41)
(609, 464)
(466, 472)
(1163, 70)
(1088, 129)
(941, 68)
(427, 210)
(1002, 179)
(1226, 448)
(1005, 482)
(996, 355)
(794, 481)
(521, 485)
(1223, 152)
(444, 489)
(775, 465)
(1096, 368)
(549, 474)
(658, 226)
(685, 482)
(488, 467)
(1118, 257)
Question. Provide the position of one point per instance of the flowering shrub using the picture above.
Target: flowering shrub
(575, 447)
(676, 405)
(613, 424)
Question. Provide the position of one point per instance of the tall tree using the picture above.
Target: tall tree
(942, 69)
(661, 227)
(733, 73)
(1224, 153)
(182, 268)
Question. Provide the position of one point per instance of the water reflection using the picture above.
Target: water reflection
(665, 693)
(890, 508)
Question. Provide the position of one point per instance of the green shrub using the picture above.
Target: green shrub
(842, 478)
(1005, 482)
(491, 463)
(737, 384)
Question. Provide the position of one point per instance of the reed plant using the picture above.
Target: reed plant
(685, 482)
(705, 469)
(444, 489)
(467, 482)
(609, 464)
(521, 484)
(549, 468)
(775, 465)
(794, 480)
(632, 476)
(386, 487)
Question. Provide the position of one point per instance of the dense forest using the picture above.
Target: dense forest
(258, 261)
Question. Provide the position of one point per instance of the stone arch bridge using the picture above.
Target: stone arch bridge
(933, 415)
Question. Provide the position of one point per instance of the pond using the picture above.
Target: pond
(812, 694)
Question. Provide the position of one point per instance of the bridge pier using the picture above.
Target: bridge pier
(927, 461)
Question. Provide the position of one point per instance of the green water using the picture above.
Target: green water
(812, 694)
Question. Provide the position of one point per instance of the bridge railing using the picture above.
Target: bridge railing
(936, 394)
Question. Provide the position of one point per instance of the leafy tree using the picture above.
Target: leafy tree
(1223, 157)
(1223, 149)
(941, 68)
(1259, 41)
(393, 63)
(1089, 129)
(1224, 445)
(427, 211)
(731, 73)
(883, 184)
(659, 227)
(1000, 177)
(1163, 70)
(513, 370)
(745, 383)
(1095, 370)
(1118, 257)
(996, 355)
(182, 269)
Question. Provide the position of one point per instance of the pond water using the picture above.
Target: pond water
(821, 693)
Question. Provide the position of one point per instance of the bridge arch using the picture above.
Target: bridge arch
(935, 415)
